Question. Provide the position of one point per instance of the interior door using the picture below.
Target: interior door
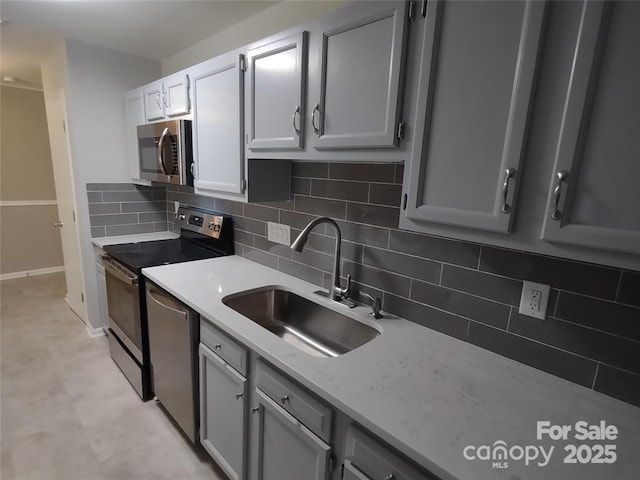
(65, 192)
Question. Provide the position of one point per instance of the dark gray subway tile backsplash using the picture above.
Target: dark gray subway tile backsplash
(591, 335)
(125, 209)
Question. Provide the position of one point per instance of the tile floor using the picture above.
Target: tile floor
(66, 411)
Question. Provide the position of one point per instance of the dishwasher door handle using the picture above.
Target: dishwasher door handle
(152, 296)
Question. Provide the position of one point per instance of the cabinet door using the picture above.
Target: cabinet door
(153, 103)
(277, 75)
(475, 87)
(217, 125)
(356, 94)
(222, 413)
(134, 105)
(594, 193)
(352, 473)
(176, 95)
(285, 449)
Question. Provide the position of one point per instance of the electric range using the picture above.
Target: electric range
(202, 235)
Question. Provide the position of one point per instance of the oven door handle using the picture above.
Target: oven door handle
(119, 271)
(164, 305)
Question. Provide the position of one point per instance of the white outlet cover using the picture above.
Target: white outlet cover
(279, 233)
(528, 287)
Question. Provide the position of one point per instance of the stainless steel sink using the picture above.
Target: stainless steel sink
(312, 328)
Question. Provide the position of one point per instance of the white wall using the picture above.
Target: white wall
(95, 80)
(281, 16)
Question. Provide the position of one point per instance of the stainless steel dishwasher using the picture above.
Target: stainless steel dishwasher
(173, 348)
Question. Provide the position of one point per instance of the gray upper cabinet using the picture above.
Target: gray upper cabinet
(286, 449)
(276, 80)
(223, 394)
(478, 63)
(356, 76)
(594, 193)
(218, 148)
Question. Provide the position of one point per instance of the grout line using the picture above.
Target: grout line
(617, 335)
(598, 298)
(595, 377)
(547, 345)
(441, 270)
(509, 319)
(555, 307)
(479, 257)
(617, 294)
(468, 330)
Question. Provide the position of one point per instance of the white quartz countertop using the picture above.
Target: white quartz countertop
(425, 393)
(135, 238)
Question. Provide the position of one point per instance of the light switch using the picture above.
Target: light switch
(279, 233)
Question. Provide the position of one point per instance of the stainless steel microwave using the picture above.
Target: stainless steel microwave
(165, 153)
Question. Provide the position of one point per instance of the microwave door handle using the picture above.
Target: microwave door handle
(163, 136)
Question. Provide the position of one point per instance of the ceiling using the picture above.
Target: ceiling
(154, 29)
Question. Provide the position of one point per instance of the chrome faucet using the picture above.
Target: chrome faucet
(336, 292)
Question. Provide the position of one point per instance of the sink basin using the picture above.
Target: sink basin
(312, 328)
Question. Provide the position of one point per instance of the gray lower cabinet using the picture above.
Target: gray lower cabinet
(283, 448)
(350, 472)
(593, 193)
(223, 406)
(369, 459)
(475, 81)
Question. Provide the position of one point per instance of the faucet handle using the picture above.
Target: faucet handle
(346, 291)
(375, 307)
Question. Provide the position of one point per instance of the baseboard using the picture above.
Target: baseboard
(31, 273)
(95, 332)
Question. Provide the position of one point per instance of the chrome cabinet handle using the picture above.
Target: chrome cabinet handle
(391, 476)
(561, 176)
(192, 164)
(293, 120)
(255, 409)
(58, 224)
(164, 99)
(239, 395)
(285, 399)
(217, 346)
(158, 100)
(508, 174)
(316, 108)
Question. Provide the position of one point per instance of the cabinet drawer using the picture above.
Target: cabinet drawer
(230, 350)
(314, 414)
(377, 461)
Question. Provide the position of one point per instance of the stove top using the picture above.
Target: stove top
(160, 252)
(203, 235)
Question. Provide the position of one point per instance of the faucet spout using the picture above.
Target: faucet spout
(336, 292)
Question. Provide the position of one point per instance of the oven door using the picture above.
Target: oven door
(123, 304)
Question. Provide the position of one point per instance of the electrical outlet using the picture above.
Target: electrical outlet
(534, 300)
(279, 233)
